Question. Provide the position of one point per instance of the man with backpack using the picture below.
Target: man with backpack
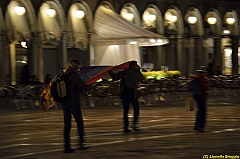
(71, 105)
(129, 93)
(200, 95)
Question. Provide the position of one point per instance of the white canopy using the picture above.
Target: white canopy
(116, 40)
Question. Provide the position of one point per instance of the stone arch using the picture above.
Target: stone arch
(234, 29)
(107, 4)
(51, 29)
(20, 27)
(178, 25)
(216, 29)
(89, 16)
(153, 9)
(132, 9)
(79, 28)
(197, 28)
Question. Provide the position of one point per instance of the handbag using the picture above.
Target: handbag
(190, 104)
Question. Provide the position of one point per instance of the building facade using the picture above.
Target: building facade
(46, 33)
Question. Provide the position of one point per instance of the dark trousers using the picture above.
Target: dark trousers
(126, 104)
(201, 112)
(77, 114)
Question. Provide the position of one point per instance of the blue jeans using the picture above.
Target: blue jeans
(126, 104)
(201, 112)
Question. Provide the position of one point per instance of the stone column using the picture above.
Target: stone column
(180, 56)
(64, 51)
(2, 72)
(171, 54)
(198, 52)
(218, 53)
(186, 57)
(32, 56)
(161, 58)
(235, 55)
(13, 63)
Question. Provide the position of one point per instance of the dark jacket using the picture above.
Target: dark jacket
(77, 85)
(130, 77)
(203, 84)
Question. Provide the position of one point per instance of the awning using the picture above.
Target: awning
(111, 29)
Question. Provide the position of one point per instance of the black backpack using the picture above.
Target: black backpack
(61, 89)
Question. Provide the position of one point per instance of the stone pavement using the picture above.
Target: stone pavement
(166, 133)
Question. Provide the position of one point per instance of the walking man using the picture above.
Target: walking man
(72, 106)
(129, 94)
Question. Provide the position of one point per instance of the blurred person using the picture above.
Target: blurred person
(210, 67)
(72, 106)
(25, 75)
(34, 80)
(47, 79)
(201, 99)
(129, 81)
(218, 71)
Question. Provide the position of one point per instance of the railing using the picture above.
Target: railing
(106, 93)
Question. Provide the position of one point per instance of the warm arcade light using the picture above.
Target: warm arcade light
(133, 42)
(20, 10)
(212, 20)
(151, 17)
(230, 21)
(51, 12)
(152, 40)
(24, 44)
(128, 16)
(226, 31)
(79, 14)
(192, 20)
(172, 18)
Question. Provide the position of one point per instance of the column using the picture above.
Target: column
(32, 56)
(198, 52)
(171, 55)
(161, 58)
(13, 63)
(218, 53)
(2, 72)
(64, 49)
(235, 55)
(180, 56)
(186, 57)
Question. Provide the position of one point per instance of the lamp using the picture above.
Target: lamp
(230, 21)
(212, 20)
(51, 12)
(24, 44)
(128, 16)
(226, 31)
(171, 18)
(192, 20)
(20, 10)
(79, 14)
(151, 17)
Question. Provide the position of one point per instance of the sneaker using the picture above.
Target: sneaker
(69, 150)
(127, 130)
